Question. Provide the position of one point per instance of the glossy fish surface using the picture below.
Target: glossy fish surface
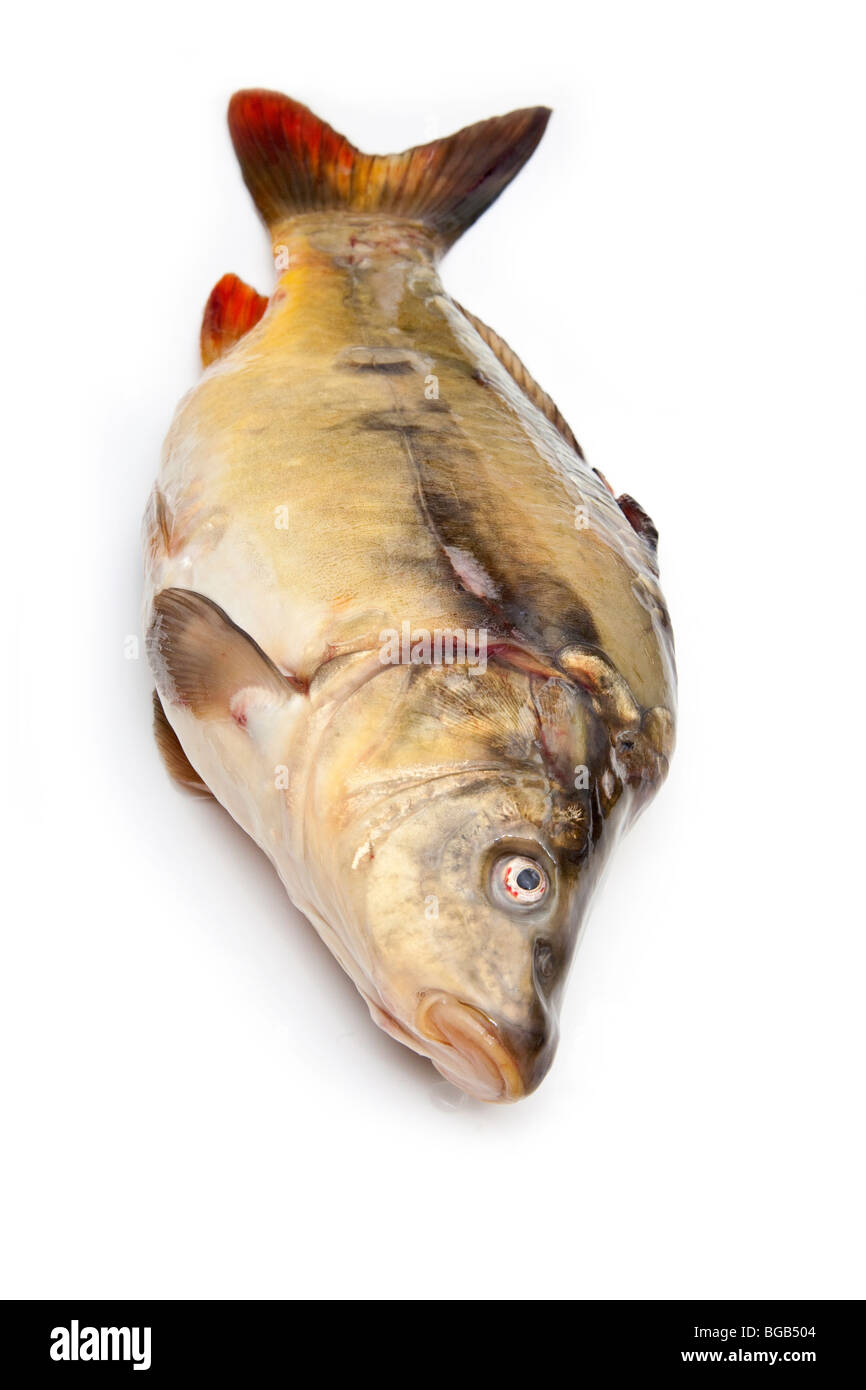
(399, 627)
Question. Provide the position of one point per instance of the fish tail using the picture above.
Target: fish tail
(293, 163)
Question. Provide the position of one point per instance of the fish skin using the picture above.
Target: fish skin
(316, 492)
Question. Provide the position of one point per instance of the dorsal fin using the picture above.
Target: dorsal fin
(292, 163)
(527, 383)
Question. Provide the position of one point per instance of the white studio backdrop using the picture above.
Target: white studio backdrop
(194, 1100)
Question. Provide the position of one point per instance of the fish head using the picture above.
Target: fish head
(471, 915)
(466, 847)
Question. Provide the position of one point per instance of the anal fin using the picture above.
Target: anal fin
(178, 765)
(231, 311)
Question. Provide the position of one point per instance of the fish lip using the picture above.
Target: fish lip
(471, 1050)
(388, 1021)
(486, 1083)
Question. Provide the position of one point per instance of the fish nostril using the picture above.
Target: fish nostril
(544, 962)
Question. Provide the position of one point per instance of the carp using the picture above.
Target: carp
(365, 493)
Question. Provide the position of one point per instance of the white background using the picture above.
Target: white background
(194, 1100)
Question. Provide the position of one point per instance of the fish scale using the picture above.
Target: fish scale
(362, 457)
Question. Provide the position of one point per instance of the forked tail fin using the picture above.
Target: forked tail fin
(294, 163)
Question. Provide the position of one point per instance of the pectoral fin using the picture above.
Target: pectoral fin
(178, 765)
(206, 663)
(607, 688)
(642, 739)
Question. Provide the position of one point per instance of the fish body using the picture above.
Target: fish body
(399, 627)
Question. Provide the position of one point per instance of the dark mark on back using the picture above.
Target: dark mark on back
(399, 367)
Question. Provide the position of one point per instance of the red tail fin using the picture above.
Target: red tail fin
(292, 163)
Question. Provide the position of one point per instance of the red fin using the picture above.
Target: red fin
(292, 162)
(232, 310)
(639, 520)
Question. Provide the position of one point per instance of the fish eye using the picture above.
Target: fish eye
(519, 880)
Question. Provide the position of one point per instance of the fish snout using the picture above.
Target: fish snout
(487, 1059)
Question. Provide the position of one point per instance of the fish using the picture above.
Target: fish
(398, 626)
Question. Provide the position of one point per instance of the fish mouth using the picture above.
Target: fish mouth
(486, 1060)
